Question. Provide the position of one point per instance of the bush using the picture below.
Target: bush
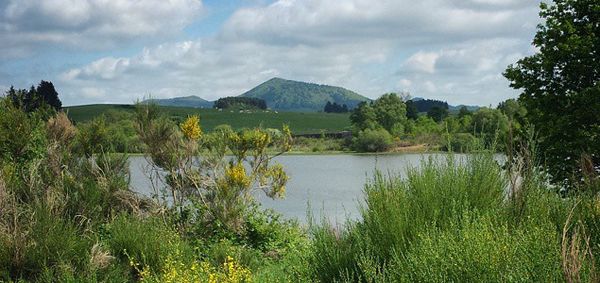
(51, 244)
(147, 242)
(481, 248)
(462, 142)
(397, 212)
(369, 140)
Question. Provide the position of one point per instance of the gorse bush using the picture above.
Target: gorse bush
(219, 187)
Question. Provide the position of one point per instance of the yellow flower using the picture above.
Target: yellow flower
(191, 127)
(236, 176)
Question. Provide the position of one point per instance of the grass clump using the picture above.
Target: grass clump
(454, 220)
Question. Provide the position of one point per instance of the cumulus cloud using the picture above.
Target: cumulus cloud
(445, 49)
(27, 24)
(406, 22)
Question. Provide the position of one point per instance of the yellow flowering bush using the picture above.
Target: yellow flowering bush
(235, 177)
(191, 128)
(177, 271)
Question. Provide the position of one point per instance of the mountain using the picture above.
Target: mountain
(287, 95)
(186, 101)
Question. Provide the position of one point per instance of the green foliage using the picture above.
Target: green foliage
(411, 110)
(145, 241)
(369, 140)
(424, 105)
(92, 137)
(335, 108)
(437, 113)
(433, 197)
(240, 103)
(43, 98)
(363, 117)
(560, 85)
(286, 95)
(478, 248)
(389, 111)
(22, 136)
(462, 142)
(491, 125)
(463, 112)
(303, 144)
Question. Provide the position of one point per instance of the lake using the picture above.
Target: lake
(331, 185)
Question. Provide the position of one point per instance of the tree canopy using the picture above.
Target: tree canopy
(560, 85)
(335, 108)
(242, 102)
(45, 95)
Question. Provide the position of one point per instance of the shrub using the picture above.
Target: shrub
(480, 248)
(147, 242)
(461, 142)
(369, 140)
(397, 211)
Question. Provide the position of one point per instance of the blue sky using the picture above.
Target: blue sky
(118, 51)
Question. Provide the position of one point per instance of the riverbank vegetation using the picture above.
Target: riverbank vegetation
(67, 213)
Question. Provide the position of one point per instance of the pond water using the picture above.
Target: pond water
(327, 185)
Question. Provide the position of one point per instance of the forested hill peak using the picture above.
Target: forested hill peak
(288, 95)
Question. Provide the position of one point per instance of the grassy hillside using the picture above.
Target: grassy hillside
(209, 118)
(289, 95)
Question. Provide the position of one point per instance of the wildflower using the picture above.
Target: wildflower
(191, 127)
(235, 176)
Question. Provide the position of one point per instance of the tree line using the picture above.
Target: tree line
(242, 102)
(34, 98)
(335, 108)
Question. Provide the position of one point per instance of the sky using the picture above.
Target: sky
(119, 51)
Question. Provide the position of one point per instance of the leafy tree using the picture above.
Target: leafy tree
(241, 102)
(389, 110)
(464, 112)
(560, 85)
(45, 92)
(335, 108)
(437, 113)
(490, 124)
(363, 117)
(43, 97)
(411, 110)
(424, 105)
(373, 140)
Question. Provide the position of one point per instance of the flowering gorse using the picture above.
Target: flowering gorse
(191, 128)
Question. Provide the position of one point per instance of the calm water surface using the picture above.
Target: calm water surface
(330, 185)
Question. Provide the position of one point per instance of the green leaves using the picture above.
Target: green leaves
(560, 84)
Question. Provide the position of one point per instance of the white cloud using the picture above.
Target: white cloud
(444, 49)
(90, 24)
(422, 62)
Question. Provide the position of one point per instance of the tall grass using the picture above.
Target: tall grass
(451, 220)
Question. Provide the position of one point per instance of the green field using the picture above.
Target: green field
(299, 122)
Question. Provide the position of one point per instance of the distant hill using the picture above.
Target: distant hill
(287, 95)
(186, 101)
